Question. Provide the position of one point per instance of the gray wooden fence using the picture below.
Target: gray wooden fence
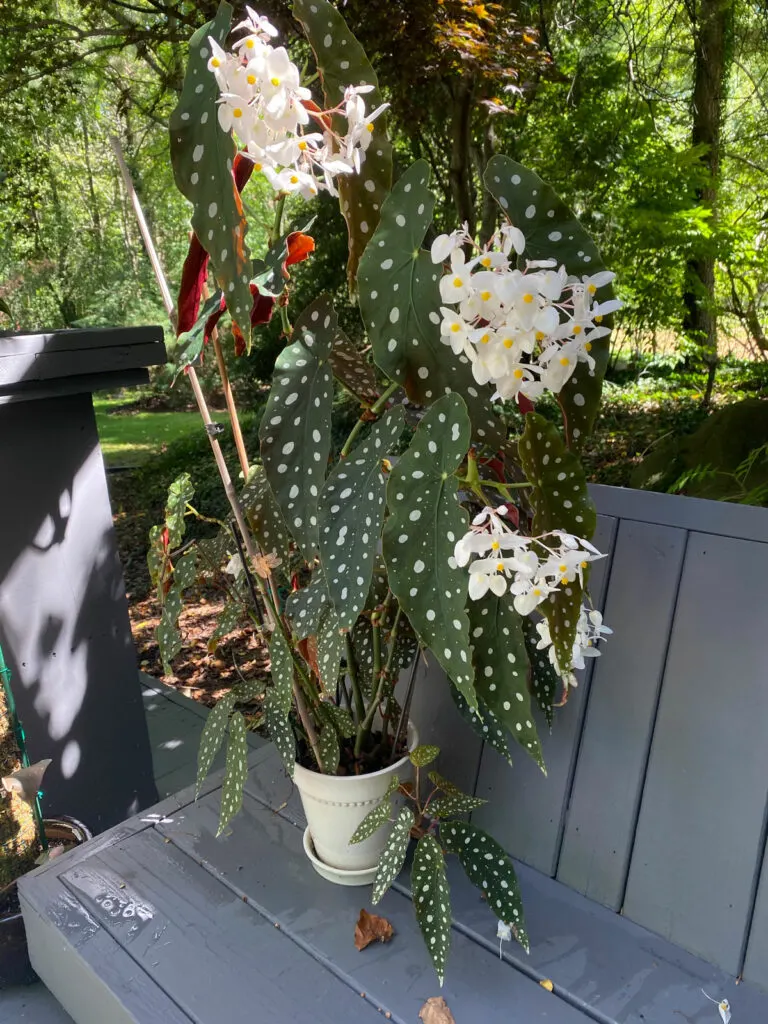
(655, 803)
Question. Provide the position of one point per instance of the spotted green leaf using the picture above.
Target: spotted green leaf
(544, 681)
(361, 641)
(561, 502)
(202, 156)
(400, 301)
(188, 347)
(552, 230)
(167, 633)
(264, 515)
(378, 817)
(306, 607)
(157, 557)
(350, 513)
(352, 371)
(393, 856)
(432, 900)
(213, 733)
(236, 771)
(229, 619)
(489, 868)
(281, 672)
(445, 785)
(280, 730)
(330, 642)
(501, 669)
(295, 431)
(341, 61)
(406, 646)
(329, 750)
(180, 493)
(338, 717)
(424, 524)
(215, 552)
(453, 806)
(424, 754)
(185, 570)
(484, 723)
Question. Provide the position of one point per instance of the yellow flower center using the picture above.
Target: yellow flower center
(294, 179)
(257, 167)
(237, 112)
(599, 318)
(485, 339)
(584, 564)
(302, 146)
(369, 126)
(591, 289)
(485, 296)
(508, 343)
(577, 328)
(540, 335)
(457, 282)
(251, 79)
(536, 592)
(275, 81)
(563, 568)
(215, 62)
(250, 43)
(528, 297)
(495, 545)
(518, 374)
(455, 328)
(486, 261)
(499, 567)
(587, 346)
(564, 361)
(564, 579)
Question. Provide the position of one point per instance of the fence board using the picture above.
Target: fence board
(700, 831)
(639, 606)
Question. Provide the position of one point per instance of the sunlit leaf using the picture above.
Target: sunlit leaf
(432, 900)
(393, 856)
(236, 771)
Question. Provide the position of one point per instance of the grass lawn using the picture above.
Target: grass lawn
(130, 437)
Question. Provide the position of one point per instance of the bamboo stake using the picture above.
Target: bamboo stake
(210, 428)
(229, 398)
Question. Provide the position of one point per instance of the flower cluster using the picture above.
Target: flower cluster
(523, 330)
(531, 567)
(289, 138)
(589, 632)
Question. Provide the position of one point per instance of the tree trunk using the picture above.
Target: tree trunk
(711, 23)
(461, 153)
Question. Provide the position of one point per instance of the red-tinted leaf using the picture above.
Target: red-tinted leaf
(263, 306)
(240, 346)
(524, 403)
(299, 248)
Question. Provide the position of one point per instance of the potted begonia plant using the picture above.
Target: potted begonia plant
(436, 530)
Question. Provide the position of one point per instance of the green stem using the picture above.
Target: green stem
(378, 677)
(357, 693)
(374, 411)
(277, 225)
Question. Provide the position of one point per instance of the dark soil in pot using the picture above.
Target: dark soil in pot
(15, 969)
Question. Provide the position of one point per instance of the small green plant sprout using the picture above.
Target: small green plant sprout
(435, 530)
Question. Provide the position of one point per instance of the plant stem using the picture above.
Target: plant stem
(248, 574)
(352, 671)
(406, 706)
(229, 397)
(367, 416)
(277, 225)
(379, 676)
(306, 721)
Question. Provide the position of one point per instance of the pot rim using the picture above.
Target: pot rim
(413, 741)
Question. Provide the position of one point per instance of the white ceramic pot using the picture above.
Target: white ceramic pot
(334, 806)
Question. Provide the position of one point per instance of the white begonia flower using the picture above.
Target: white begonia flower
(219, 63)
(455, 285)
(520, 381)
(445, 245)
(529, 594)
(234, 114)
(258, 24)
(512, 238)
(723, 1006)
(592, 282)
(559, 370)
(290, 179)
(454, 332)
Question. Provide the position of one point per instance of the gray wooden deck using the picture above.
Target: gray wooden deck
(174, 723)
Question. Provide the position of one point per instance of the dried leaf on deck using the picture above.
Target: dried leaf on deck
(371, 928)
(436, 1011)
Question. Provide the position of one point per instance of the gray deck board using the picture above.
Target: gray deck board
(526, 809)
(700, 834)
(597, 843)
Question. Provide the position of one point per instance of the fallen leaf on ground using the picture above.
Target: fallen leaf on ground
(436, 1011)
(371, 928)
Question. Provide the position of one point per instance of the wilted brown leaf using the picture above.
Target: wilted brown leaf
(371, 928)
(436, 1011)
